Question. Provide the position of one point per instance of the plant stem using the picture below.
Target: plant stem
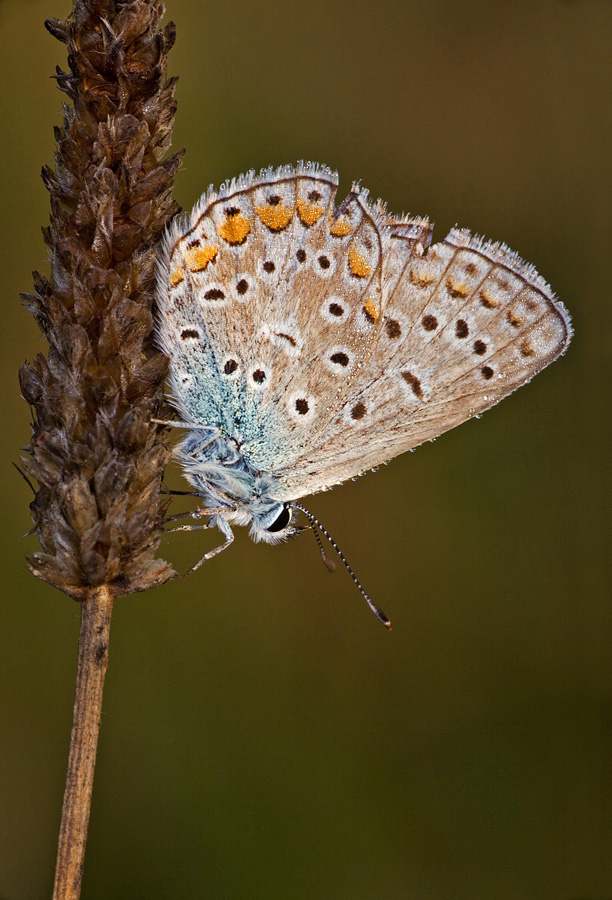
(96, 611)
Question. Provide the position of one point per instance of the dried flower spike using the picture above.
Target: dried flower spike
(94, 452)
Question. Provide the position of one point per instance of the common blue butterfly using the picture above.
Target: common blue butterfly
(310, 342)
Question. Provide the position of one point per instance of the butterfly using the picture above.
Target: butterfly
(310, 342)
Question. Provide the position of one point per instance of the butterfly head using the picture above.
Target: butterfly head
(275, 525)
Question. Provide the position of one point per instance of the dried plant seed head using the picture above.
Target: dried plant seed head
(94, 451)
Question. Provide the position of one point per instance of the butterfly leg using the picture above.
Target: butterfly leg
(221, 523)
(167, 490)
(195, 514)
(227, 531)
(172, 423)
(174, 518)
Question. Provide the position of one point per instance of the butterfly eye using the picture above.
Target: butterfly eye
(281, 521)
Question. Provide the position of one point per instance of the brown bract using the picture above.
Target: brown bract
(94, 451)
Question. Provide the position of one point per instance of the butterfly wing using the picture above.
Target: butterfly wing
(327, 340)
(465, 324)
(271, 306)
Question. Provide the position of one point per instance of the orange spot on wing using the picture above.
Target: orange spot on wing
(358, 264)
(487, 299)
(456, 288)
(197, 259)
(340, 228)
(371, 308)
(176, 277)
(421, 279)
(514, 320)
(234, 229)
(309, 213)
(275, 217)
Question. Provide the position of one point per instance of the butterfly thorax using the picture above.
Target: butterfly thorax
(216, 466)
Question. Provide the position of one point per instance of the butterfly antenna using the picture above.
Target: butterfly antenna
(331, 565)
(317, 525)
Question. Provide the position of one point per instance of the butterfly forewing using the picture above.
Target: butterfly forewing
(272, 301)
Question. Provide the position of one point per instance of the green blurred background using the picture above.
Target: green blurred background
(263, 736)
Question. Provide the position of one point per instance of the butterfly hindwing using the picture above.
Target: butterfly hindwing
(465, 324)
